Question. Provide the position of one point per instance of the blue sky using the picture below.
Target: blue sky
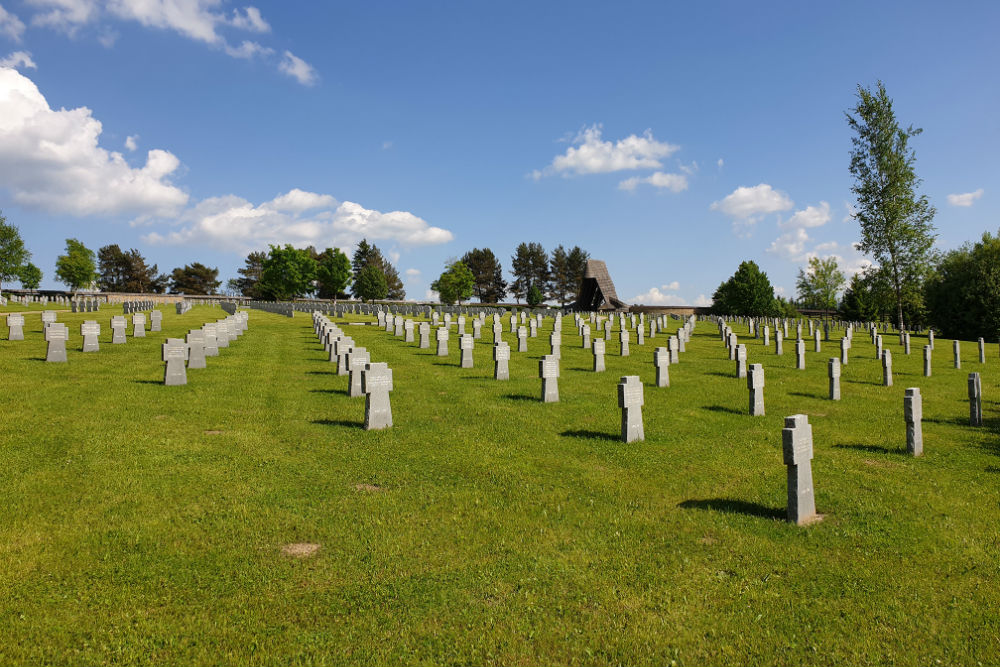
(672, 141)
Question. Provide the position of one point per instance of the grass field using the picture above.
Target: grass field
(146, 524)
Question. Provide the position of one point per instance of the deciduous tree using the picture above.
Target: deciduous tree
(819, 284)
(13, 254)
(77, 268)
(333, 273)
(454, 284)
(287, 273)
(194, 278)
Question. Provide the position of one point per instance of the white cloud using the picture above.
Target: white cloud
(18, 59)
(810, 216)
(235, 224)
(851, 212)
(431, 295)
(412, 273)
(661, 180)
(130, 142)
(10, 25)
(590, 154)
(702, 301)
(746, 204)
(780, 291)
(965, 199)
(250, 20)
(298, 201)
(791, 245)
(654, 297)
(720, 163)
(65, 15)
(674, 286)
(51, 160)
(248, 50)
(386, 145)
(298, 69)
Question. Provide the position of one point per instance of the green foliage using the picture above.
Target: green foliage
(369, 284)
(819, 284)
(490, 286)
(896, 224)
(747, 292)
(367, 254)
(120, 271)
(287, 273)
(333, 274)
(13, 254)
(455, 283)
(534, 296)
(566, 270)
(248, 284)
(870, 297)
(195, 278)
(77, 268)
(577, 267)
(784, 308)
(30, 276)
(963, 296)
(531, 268)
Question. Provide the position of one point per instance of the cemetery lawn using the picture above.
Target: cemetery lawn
(172, 525)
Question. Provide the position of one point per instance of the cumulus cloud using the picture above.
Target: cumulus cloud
(850, 212)
(658, 296)
(10, 25)
(18, 59)
(51, 160)
(748, 204)
(298, 69)
(659, 179)
(702, 301)
(791, 245)
(198, 20)
(810, 216)
(234, 224)
(591, 154)
(965, 199)
(720, 163)
(412, 273)
(130, 143)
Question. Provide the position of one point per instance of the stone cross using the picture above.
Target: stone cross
(343, 347)
(477, 329)
(15, 321)
(90, 330)
(465, 343)
(174, 354)
(661, 360)
(607, 330)
(522, 339)
(982, 351)
(585, 333)
(357, 361)
(598, 345)
(196, 348)
(673, 345)
(845, 345)
(408, 331)
(533, 328)
(958, 354)
(623, 337)
(210, 334)
(48, 317)
(376, 383)
(755, 383)
(878, 347)
(398, 325)
(118, 325)
(833, 371)
(139, 325)
(630, 400)
(797, 446)
(927, 360)
(975, 400)
(778, 337)
(548, 370)
(767, 335)
(886, 368)
(461, 326)
(425, 335)
(442, 341)
(56, 335)
(800, 354)
(639, 336)
(555, 341)
(155, 321)
(906, 343)
(913, 412)
(222, 336)
(741, 361)
(497, 331)
(930, 338)
(501, 357)
(817, 346)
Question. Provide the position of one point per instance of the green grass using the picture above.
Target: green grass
(144, 523)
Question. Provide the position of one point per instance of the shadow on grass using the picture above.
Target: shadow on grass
(723, 408)
(320, 373)
(149, 381)
(328, 391)
(338, 422)
(991, 469)
(444, 363)
(591, 435)
(802, 394)
(954, 421)
(731, 376)
(870, 448)
(731, 506)
(870, 384)
(522, 397)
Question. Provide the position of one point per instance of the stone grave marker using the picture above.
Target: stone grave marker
(975, 400)
(555, 343)
(755, 383)
(886, 368)
(15, 323)
(741, 360)
(845, 345)
(357, 361)
(833, 372)
(56, 335)
(630, 400)
(425, 335)
(585, 333)
(139, 325)
(195, 340)
(522, 339)
(465, 343)
(90, 330)
(623, 337)
(118, 325)
(982, 351)
(800, 354)
(408, 331)
(913, 413)
(48, 317)
(155, 321)
(797, 446)
(174, 355)
(661, 360)
(598, 345)
(958, 354)
(442, 334)
(548, 370)
(376, 383)
(778, 338)
(501, 359)
(927, 360)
